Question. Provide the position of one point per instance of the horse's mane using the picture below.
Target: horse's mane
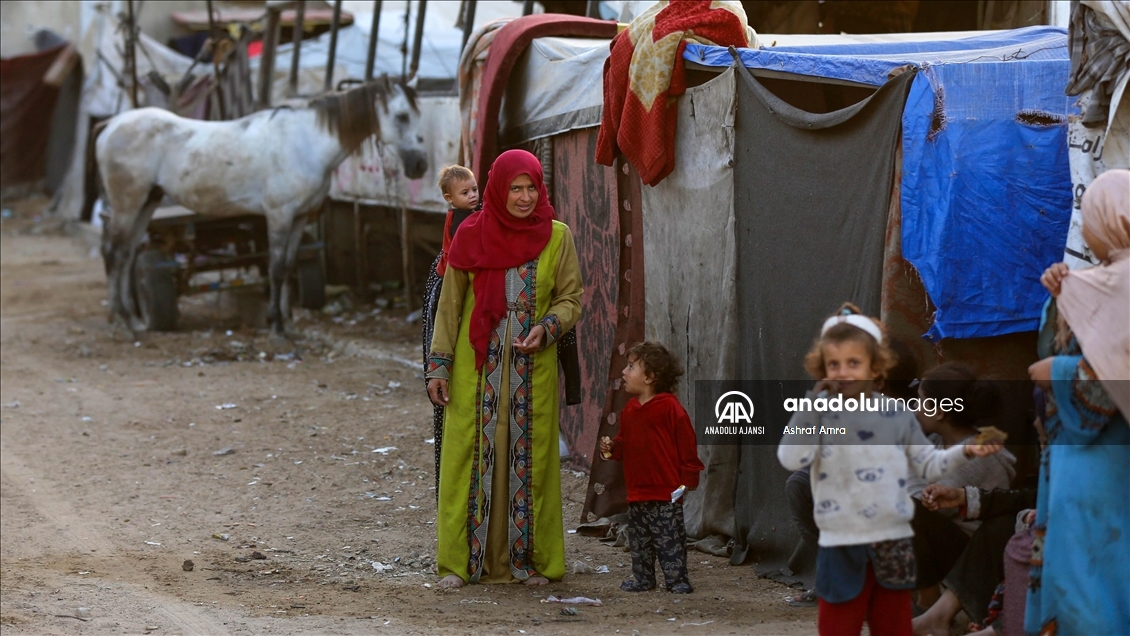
(352, 115)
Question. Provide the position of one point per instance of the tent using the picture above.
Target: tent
(978, 198)
(38, 102)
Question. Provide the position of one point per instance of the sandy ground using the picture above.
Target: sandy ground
(124, 456)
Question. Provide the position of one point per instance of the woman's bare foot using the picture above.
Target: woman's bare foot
(450, 582)
(537, 580)
(936, 620)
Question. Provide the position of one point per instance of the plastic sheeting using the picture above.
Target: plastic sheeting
(986, 200)
(690, 264)
(560, 81)
(26, 104)
(812, 195)
(986, 192)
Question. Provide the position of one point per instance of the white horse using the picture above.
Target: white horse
(277, 163)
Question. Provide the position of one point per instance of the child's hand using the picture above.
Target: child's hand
(1041, 373)
(937, 496)
(606, 447)
(1053, 278)
(982, 450)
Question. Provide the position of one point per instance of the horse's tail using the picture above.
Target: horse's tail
(100, 191)
(99, 128)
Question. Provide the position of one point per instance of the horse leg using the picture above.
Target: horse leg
(284, 235)
(292, 244)
(136, 237)
(119, 251)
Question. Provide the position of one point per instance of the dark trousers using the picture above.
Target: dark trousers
(938, 544)
(656, 529)
(798, 492)
(980, 568)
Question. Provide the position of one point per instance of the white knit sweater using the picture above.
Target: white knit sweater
(859, 478)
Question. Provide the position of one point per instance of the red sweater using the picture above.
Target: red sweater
(657, 445)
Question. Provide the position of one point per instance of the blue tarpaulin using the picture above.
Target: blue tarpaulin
(986, 186)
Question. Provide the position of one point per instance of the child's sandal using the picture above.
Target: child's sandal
(632, 585)
(680, 588)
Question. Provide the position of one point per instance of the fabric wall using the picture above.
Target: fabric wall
(986, 193)
(812, 195)
(689, 256)
(26, 106)
(584, 197)
(606, 494)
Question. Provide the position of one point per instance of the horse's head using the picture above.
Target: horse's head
(382, 107)
(400, 124)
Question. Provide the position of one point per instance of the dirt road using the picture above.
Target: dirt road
(283, 477)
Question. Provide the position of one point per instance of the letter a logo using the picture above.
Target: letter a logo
(734, 411)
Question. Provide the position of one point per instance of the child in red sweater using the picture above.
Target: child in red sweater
(660, 455)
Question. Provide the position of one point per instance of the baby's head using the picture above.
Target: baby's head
(850, 352)
(651, 369)
(459, 188)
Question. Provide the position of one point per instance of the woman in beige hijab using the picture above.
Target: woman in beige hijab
(1078, 583)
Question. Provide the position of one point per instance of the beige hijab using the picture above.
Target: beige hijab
(1096, 301)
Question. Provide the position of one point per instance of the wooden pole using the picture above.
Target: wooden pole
(131, 55)
(214, 34)
(329, 83)
(419, 40)
(406, 255)
(468, 22)
(374, 37)
(296, 38)
(267, 61)
(359, 245)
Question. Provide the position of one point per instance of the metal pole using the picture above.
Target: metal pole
(419, 39)
(468, 22)
(328, 86)
(297, 33)
(216, 60)
(131, 55)
(593, 9)
(267, 62)
(528, 7)
(374, 37)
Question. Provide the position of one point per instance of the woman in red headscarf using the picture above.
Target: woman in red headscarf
(512, 287)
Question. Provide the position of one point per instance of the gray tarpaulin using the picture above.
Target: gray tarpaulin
(811, 195)
(561, 88)
(689, 253)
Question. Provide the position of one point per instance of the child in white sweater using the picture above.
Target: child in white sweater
(865, 562)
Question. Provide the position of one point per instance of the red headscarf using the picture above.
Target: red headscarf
(492, 241)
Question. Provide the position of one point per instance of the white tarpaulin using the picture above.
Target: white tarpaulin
(103, 95)
(561, 81)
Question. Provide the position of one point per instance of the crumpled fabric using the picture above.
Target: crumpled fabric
(646, 72)
(1099, 40)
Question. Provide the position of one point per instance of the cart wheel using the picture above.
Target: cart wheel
(156, 290)
(311, 283)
